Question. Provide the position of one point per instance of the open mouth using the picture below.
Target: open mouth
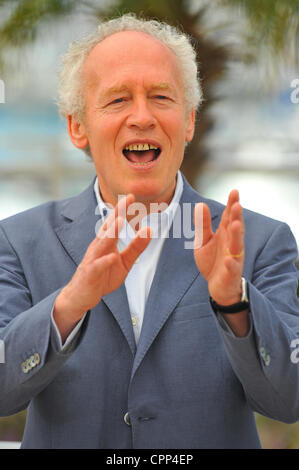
(141, 154)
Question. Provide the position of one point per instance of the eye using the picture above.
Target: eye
(117, 100)
(166, 99)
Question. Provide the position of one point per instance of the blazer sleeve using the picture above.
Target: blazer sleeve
(264, 359)
(31, 359)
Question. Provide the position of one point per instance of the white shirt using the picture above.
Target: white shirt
(139, 279)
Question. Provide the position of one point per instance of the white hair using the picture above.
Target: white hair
(71, 99)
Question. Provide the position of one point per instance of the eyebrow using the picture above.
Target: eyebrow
(125, 88)
(162, 86)
(115, 89)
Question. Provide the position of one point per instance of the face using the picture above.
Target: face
(135, 117)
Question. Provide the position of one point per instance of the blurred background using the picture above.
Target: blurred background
(247, 128)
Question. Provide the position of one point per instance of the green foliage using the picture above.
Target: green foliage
(274, 24)
(277, 435)
(12, 427)
(172, 11)
(22, 24)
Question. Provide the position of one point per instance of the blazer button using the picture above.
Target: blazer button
(25, 367)
(267, 360)
(36, 358)
(31, 362)
(265, 356)
(127, 419)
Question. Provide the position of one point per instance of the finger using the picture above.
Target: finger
(236, 241)
(236, 251)
(108, 234)
(232, 199)
(202, 225)
(130, 254)
(106, 241)
(123, 204)
(113, 230)
(120, 210)
(236, 213)
(236, 232)
(107, 222)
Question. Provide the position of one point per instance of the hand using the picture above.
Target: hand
(102, 270)
(220, 257)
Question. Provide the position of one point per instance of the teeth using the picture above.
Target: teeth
(141, 147)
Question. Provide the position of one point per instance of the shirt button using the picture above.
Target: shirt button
(127, 419)
(137, 261)
(134, 321)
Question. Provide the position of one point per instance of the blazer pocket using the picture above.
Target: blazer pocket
(192, 312)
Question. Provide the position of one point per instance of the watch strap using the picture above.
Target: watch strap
(234, 308)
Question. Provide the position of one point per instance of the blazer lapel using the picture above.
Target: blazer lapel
(117, 302)
(76, 232)
(175, 272)
(79, 219)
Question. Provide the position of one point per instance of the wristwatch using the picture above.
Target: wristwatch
(234, 308)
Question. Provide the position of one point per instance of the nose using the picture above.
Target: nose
(141, 116)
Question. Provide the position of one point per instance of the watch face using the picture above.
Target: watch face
(244, 291)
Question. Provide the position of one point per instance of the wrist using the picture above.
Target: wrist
(229, 296)
(65, 315)
(233, 304)
(65, 308)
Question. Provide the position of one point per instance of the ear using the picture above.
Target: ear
(190, 123)
(77, 132)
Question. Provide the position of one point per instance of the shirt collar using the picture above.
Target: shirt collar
(165, 218)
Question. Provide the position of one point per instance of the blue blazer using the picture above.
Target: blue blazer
(190, 383)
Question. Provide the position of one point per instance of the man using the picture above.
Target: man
(129, 339)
